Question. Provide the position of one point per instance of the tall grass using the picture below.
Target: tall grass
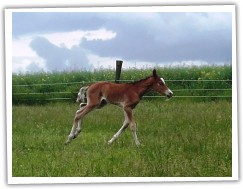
(68, 83)
(178, 139)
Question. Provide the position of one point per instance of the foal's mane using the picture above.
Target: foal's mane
(141, 80)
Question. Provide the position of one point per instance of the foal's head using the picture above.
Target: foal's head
(160, 86)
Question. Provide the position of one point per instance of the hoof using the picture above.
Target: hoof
(67, 142)
(137, 143)
(70, 138)
(109, 142)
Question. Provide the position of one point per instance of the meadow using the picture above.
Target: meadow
(182, 137)
(178, 139)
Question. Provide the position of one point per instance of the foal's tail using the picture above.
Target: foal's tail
(82, 95)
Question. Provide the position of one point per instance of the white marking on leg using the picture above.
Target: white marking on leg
(78, 117)
(134, 134)
(70, 136)
(124, 126)
(78, 129)
(75, 126)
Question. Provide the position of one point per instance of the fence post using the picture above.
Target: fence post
(118, 70)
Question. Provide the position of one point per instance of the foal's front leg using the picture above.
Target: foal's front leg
(128, 121)
(124, 126)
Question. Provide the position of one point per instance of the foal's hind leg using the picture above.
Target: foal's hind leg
(132, 125)
(133, 128)
(76, 128)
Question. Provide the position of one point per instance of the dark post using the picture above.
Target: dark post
(118, 70)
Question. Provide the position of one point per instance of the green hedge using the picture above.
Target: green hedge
(41, 88)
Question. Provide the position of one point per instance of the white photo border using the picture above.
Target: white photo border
(48, 180)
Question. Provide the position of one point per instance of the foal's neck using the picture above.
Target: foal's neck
(144, 85)
(147, 82)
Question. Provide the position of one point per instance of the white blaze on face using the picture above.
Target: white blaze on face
(162, 79)
(168, 92)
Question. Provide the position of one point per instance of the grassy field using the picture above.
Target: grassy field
(179, 138)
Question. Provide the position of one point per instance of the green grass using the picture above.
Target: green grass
(177, 139)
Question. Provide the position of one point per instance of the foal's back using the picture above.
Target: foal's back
(111, 92)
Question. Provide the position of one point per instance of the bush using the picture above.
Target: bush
(42, 88)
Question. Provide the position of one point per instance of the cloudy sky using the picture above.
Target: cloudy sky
(65, 41)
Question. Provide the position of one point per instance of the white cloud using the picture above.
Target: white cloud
(100, 34)
(21, 47)
(73, 38)
(67, 39)
(24, 56)
(22, 64)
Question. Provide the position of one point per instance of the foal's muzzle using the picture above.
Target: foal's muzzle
(169, 93)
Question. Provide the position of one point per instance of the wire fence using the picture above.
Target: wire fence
(44, 94)
(88, 82)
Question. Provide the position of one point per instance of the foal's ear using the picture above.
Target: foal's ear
(154, 73)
